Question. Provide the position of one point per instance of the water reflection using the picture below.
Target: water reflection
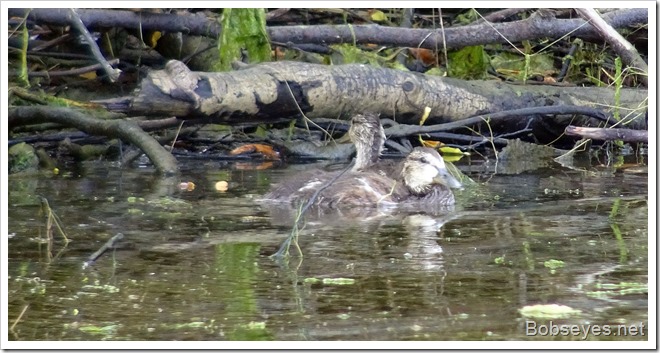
(195, 265)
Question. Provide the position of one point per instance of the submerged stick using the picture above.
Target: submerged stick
(20, 316)
(108, 245)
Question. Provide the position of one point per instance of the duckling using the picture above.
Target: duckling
(427, 178)
(423, 179)
(368, 136)
(420, 177)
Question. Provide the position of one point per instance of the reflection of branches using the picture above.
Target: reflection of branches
(52, 218)
(19, 318)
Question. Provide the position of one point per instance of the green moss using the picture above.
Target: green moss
(243, 34)
(22, 158)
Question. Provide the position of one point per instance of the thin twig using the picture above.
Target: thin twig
(108, 245)
(19, 317)
(77, 23)
(73, 72)
(621, 46)
(52, 218)
(303, 114)
(177, 135)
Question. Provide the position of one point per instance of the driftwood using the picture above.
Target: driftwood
(280, 91)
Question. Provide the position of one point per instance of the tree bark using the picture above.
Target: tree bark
(531, 28)
(279, 91)
(626, 135)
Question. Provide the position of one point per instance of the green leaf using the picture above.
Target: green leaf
(378, 16)
(468, 63)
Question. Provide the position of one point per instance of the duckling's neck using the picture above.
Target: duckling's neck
(366, 156)
(368, 136)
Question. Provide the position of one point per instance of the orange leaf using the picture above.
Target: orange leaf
(427, 56)
(243, 149)
(266, 150)
(431, 143)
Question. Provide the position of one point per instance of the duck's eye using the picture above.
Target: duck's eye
(424, 160)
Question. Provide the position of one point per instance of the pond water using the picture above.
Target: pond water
(196, 265)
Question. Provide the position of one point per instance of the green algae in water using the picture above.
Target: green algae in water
(551, 311)
(553, 265)
(330, 281)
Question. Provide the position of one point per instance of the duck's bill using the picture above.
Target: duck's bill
(447, 179)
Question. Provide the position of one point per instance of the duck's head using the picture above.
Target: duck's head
(368, 136)
(424, 168)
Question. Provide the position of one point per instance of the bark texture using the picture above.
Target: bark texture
(541, 25)
(280, 91)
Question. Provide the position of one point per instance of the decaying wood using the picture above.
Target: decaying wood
(279, 91)
(626, 135)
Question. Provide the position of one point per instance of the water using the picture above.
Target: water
(196, 265)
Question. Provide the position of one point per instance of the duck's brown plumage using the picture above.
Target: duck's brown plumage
(368, 136)
(418, 183)
(420, 178)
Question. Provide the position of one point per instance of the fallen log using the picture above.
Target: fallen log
(280, 91)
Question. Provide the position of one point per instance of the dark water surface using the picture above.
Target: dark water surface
(195, 265)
